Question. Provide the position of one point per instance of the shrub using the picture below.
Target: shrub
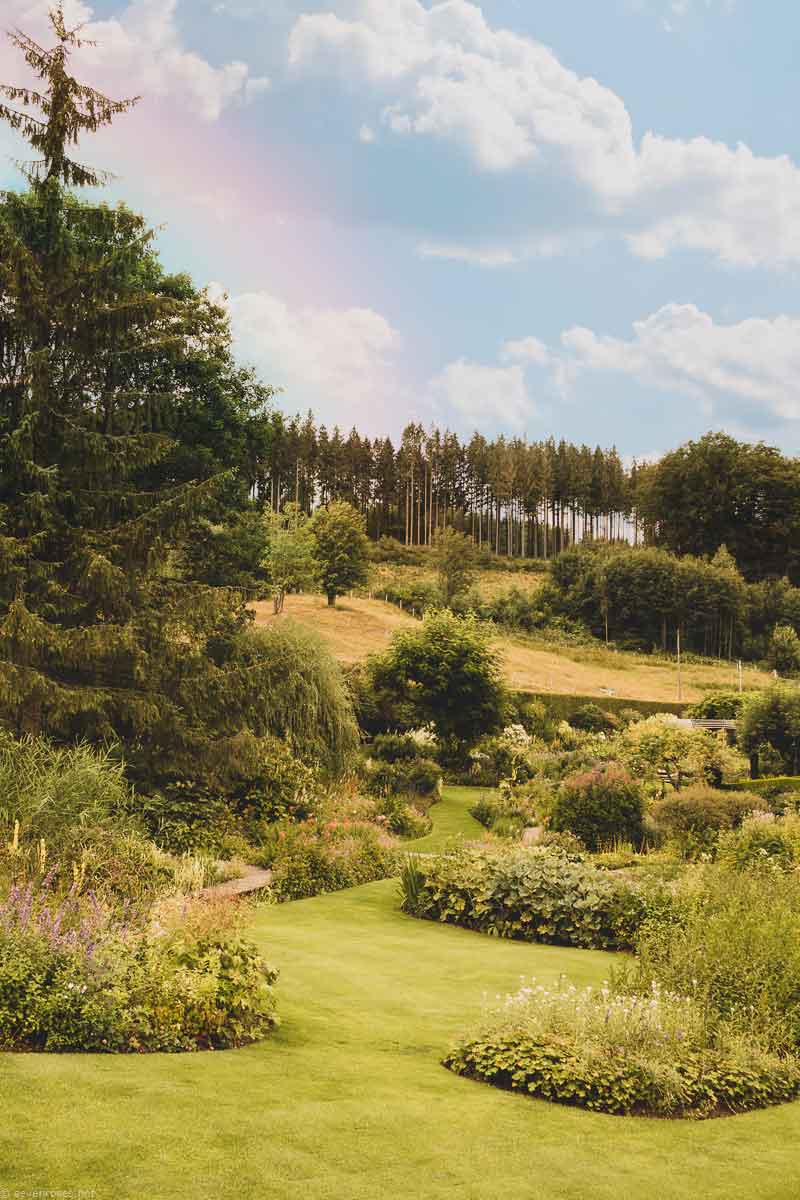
(735, 947)
(316, 857)
(659, 747)
(599, 807)
(780, 791)
(772, 718)
(508, 811)
(448, 673)
(529, 894)
(188, 815)
(402, 818)
(622, 1054)
(75, 976)
(396, 747)
(762, 840)
(506, 755)
(719, 706)
(591, 719)
(783, 653)
(692, 819)
(304, 698)
(418, 777)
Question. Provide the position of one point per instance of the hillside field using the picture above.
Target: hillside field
(358, 627)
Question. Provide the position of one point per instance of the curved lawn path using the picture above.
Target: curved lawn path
(347, 1101)
(451, 819)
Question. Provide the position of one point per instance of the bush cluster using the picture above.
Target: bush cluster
(532, 894)
(316, 857)
(76, 975)
(188, 815)
(734, 944)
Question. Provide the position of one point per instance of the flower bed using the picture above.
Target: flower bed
(647, 1055)
(77, 975)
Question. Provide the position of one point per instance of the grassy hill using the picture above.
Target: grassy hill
(359, 627)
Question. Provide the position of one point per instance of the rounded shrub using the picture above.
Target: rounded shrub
(693, 818)
(396, 747)
(420, 777)
(600, 807)
(591, 719)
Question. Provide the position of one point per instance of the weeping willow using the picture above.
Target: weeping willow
(303, 694)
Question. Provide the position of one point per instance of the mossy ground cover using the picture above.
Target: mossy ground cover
(348, 1100)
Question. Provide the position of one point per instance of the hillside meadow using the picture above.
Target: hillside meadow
(359, 627)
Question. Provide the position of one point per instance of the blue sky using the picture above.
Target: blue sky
(578, 218)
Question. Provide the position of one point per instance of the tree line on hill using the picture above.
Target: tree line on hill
(534, 499)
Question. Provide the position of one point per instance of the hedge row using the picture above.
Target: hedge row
(563, 707)
(771, 785)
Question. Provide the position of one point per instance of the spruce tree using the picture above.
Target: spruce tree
(96, 640)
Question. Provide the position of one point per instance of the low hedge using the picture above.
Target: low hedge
(564, 707)
(709, 1085)
(531, 894)
(771, 786)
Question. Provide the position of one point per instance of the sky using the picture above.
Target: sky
(578, 219)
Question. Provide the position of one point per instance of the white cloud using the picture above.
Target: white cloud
(483, 397)
(141, 51)
(366, 134)
(681, 349)
(509, 101)
(339, 360)
(492, 257)
(473, 255)
(529, 349)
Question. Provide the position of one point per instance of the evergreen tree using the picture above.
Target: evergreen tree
(96, 641)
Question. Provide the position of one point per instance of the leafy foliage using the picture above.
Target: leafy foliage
(303, 696)
(317, 857)
(97, 640)
(608, 1052)
(600, 807)
(783, 653)
(530, 894)
(76, 976)
(289, 560)
(342, 549)
(683, 755)
(734, 947)
(718, 491)
(693, 818)
(449, 675)
(455, 559)
(771, 719)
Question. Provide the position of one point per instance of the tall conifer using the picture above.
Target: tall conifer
(96, 641)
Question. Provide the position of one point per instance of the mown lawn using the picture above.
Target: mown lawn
(348, 1102)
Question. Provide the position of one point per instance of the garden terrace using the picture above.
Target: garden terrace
(348, 1098)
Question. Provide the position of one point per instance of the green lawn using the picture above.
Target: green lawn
(348, 1102)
